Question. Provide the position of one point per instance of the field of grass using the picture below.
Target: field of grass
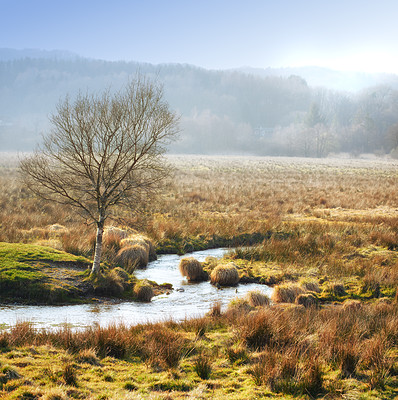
(271, 352)
(324, 233)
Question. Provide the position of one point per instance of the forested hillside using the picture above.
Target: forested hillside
(222, 112)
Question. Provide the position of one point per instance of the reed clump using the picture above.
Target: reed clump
(286, 293)
(142, 240)
(307, 300)
(143, 291)
(192, 269)
(257, 299)
(132, 256)
(225, 275)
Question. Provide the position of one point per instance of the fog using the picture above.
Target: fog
(311, 112)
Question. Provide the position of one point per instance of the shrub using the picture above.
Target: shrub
(130, 386)
(239, 305)
(257, 330)
(286, 293)
(192, 269)
(69, 374)
(143, 241)
(132, 257)
(88, 356)
(215, 310)
(287, 373)
(348, 359)
(256, 299)
(225, 275)
(122, 274)
(143, 291)
(376, 356)
(108, 283)
(202, 366)
(9, 373)
(307, 300)
(163, 347)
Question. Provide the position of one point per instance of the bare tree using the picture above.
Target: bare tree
(104, 150)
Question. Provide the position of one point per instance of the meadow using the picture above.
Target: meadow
(323, 233)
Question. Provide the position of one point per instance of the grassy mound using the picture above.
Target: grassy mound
(30, 273)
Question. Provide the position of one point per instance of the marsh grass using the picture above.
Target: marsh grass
(326, 227)
(279, 350)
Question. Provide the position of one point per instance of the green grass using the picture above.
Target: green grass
(28, 253)
(36, 274)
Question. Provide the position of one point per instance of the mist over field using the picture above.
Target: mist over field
(310, 112)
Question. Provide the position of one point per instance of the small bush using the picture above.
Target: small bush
(112, 232)
(132, 257)
(348, 359)
(87, 356)
(108, 283)
(202, 366)
(225, 275)
(9, 373)
(143, 291)
(307, 300)
(192, 269)
(286, 293)
(163, 347)
(257, 330)
(215, 310)
(257, 299)
(69, 374)
(239, 305)
(376, 358)
(123, 275)
(143, 241)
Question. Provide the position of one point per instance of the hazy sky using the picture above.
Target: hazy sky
(220, 34)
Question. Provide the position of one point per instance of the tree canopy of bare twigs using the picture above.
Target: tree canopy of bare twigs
(104, 150)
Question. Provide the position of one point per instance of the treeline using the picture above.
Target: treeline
(222, 112)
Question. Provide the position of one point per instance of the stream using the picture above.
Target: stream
(187, 300)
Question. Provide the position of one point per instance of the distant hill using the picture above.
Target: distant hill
(286, 111)
(349, 81)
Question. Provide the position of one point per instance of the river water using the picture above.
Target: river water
(187, 300)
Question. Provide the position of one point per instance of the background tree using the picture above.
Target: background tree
(104, 150)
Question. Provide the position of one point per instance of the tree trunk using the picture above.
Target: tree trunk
(98, 249)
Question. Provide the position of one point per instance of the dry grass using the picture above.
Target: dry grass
(192, 269)
(330, 226)
(143, 291)
(132, 257)
(257, 299)
(286, 293)
(275, 350)
(225, 275)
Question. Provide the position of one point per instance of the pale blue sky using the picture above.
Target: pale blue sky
(220, 34)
